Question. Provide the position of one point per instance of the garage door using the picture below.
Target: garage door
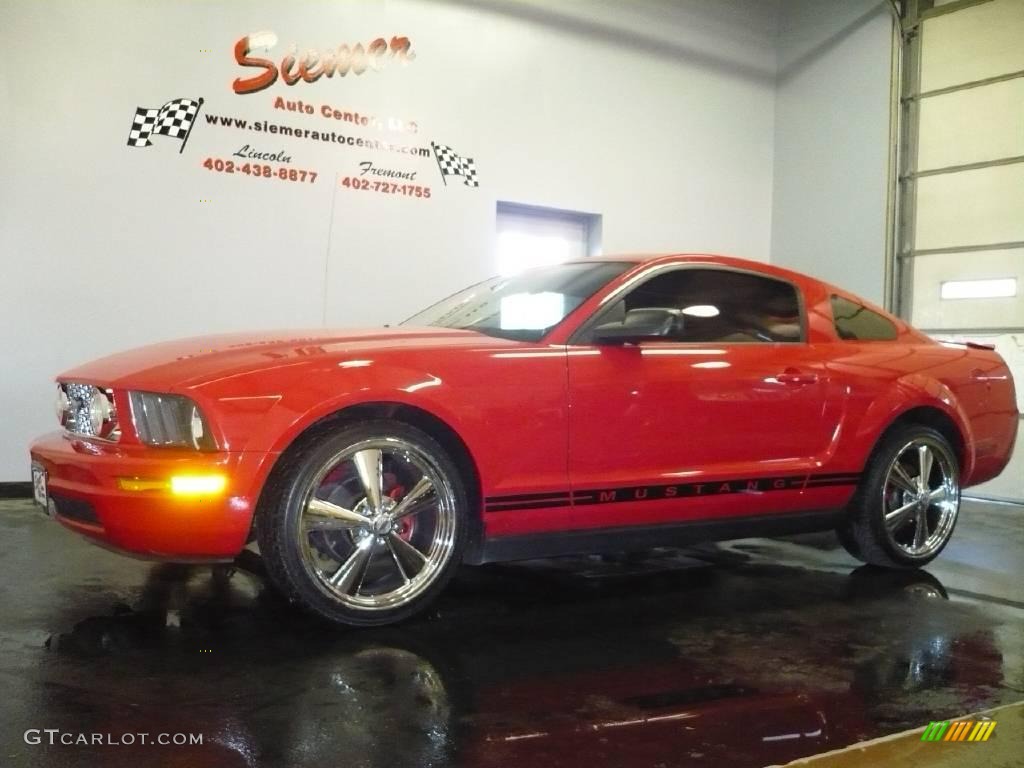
(962, 182)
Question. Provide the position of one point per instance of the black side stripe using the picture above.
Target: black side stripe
(518, 505)
(529, 496)
(526, 501)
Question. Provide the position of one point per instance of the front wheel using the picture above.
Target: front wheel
(906, 507)
(366, 524)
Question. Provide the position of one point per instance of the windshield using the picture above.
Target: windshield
(524, 307)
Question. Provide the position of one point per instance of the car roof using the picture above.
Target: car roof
(704, 258)
(701, 258)
(763, 267)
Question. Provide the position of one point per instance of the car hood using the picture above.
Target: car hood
(173, 365)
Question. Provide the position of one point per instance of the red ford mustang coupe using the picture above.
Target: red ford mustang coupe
(602, 405)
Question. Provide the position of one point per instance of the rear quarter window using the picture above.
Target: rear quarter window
(855, 322)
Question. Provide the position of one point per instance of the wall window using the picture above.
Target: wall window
(1000, 288)
(530, 236)
(855, 322)
(719, 306)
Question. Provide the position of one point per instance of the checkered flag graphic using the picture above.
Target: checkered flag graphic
(452, 164)
(174, 119)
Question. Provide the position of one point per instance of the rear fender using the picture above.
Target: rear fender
(908, 393)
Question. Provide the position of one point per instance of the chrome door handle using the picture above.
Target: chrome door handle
(797, 378)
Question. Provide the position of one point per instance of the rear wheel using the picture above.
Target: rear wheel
(368, 524)
(907, 505)
(849, 543)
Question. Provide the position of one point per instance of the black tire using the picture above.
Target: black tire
(279, 520)
(864, 533)
(845, 534)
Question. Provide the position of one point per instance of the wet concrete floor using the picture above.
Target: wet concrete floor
(742, 654)
(910, 750)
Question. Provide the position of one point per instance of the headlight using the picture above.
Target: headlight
(62, 406)
(87, 410)
(100, 409)
(171, 421)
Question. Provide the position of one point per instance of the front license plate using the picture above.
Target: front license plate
(39, 494)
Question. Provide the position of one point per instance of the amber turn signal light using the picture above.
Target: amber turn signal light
(179, 485)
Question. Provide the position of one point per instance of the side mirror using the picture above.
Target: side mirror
(640, 325)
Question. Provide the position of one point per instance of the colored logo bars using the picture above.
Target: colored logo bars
(963, 730)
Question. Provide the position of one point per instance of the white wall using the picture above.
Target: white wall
(831, 141)
(657, 115)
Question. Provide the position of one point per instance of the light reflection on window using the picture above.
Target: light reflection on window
(531, 311)
(701, 310)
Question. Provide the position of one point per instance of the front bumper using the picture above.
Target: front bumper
(82, 480)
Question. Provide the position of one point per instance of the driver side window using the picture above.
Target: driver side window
(719, 306)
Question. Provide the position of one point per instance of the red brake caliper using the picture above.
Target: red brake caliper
(407, 524)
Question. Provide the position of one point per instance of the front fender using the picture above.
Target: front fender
(275, 417)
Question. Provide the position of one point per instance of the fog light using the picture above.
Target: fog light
(179, 485)
(141, 484)
(193, 485)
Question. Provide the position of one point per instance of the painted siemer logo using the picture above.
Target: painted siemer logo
(310, 65)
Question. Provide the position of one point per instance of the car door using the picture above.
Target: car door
(731, 414)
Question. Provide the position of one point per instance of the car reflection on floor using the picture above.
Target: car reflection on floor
(668, 659)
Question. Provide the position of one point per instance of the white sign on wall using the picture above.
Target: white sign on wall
(361, 133)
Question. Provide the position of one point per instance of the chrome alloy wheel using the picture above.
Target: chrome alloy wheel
(921, 497)
(378, 524)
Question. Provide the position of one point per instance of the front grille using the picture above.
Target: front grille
(74, 509)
